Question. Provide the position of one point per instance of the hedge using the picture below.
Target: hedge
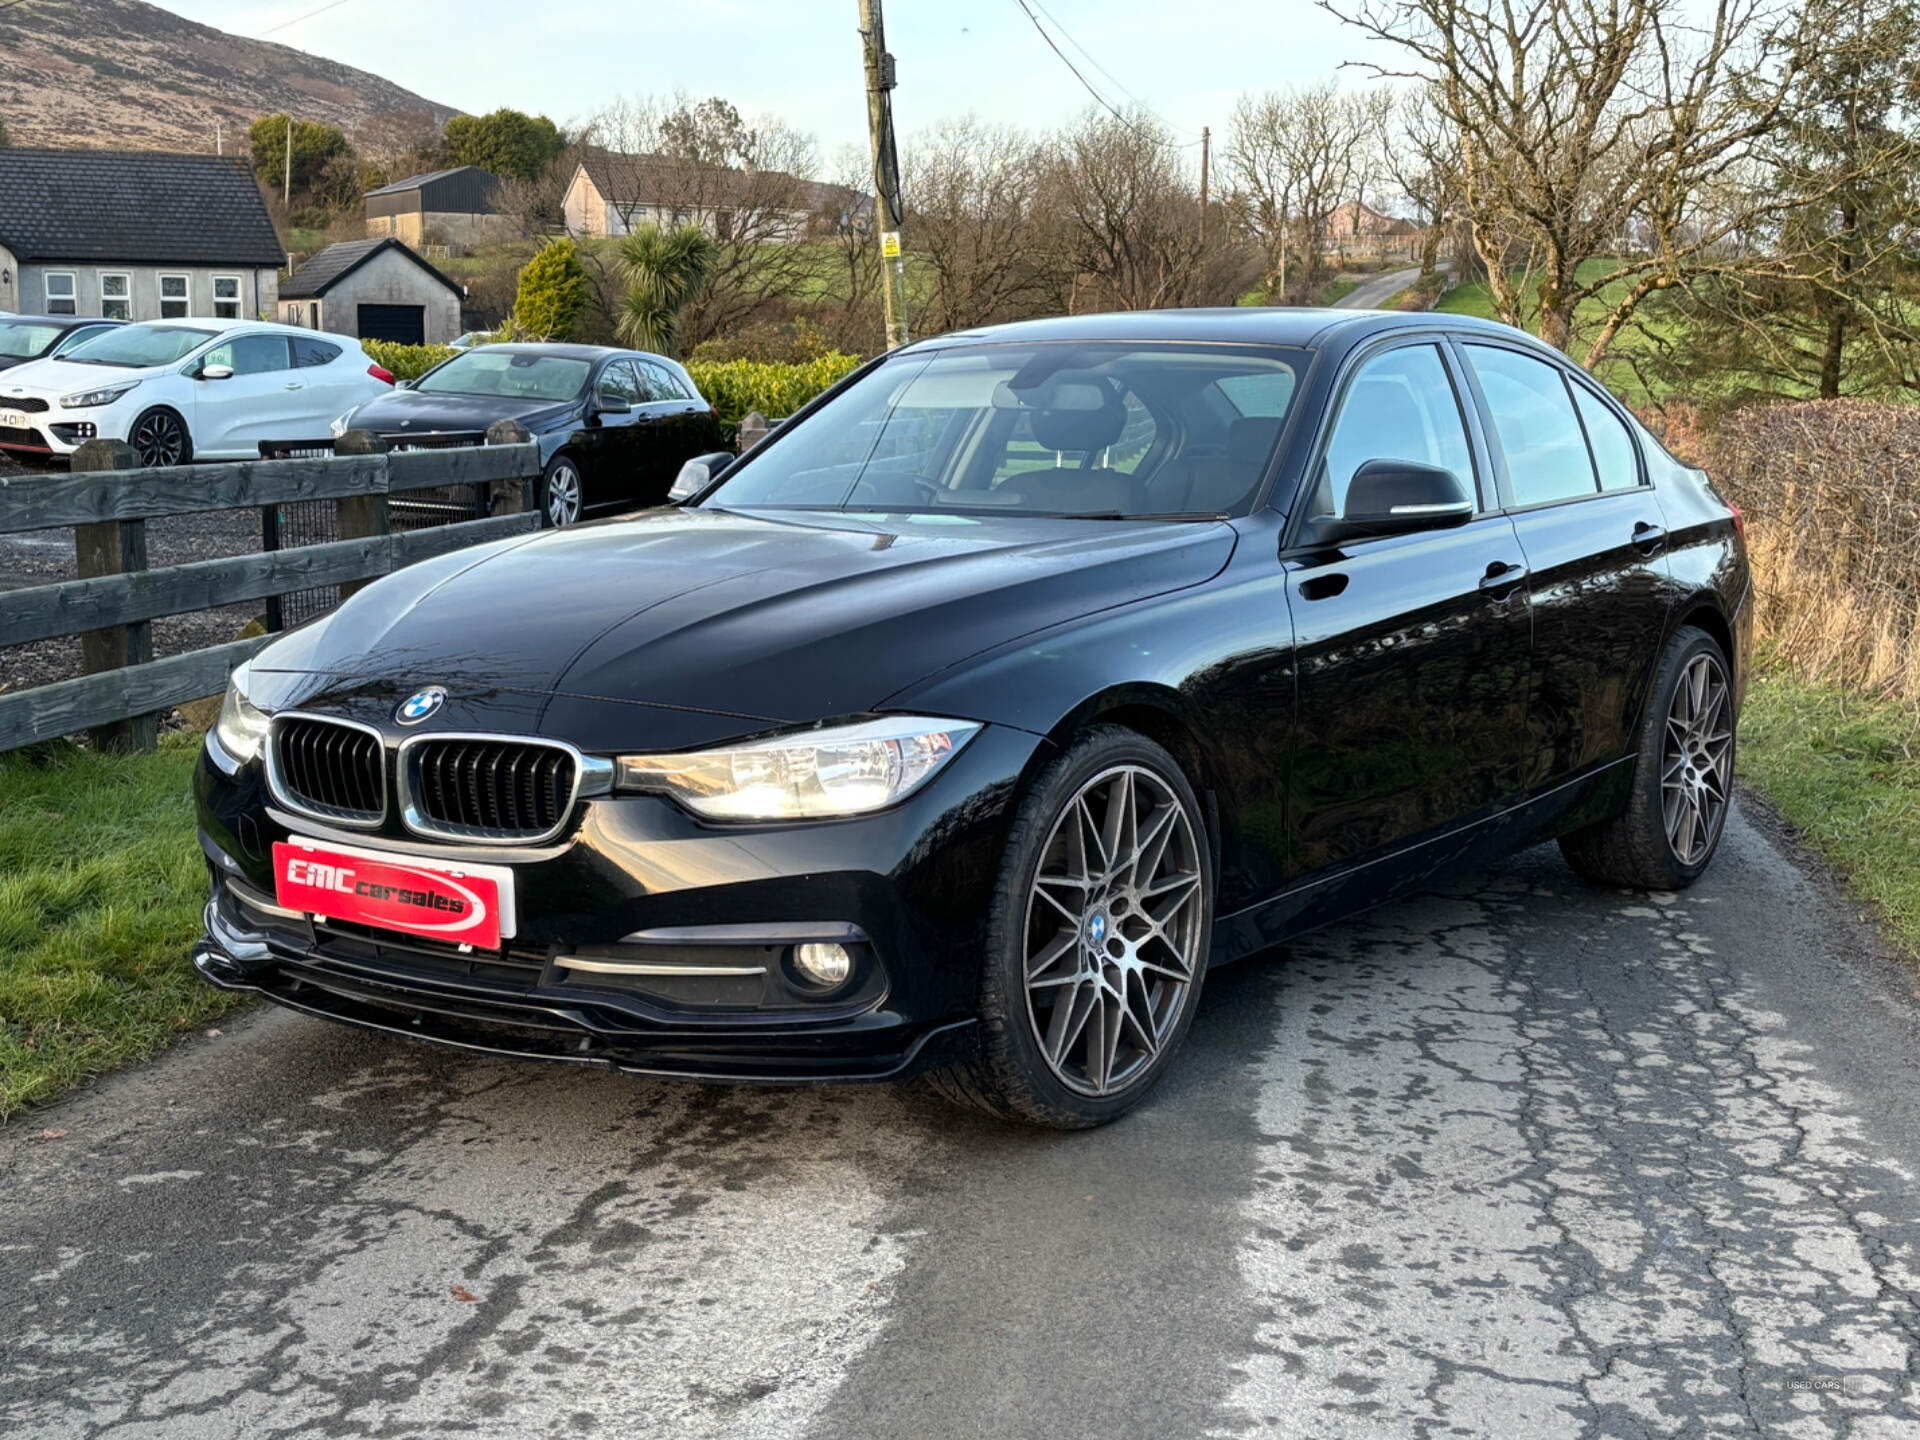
(734, 386)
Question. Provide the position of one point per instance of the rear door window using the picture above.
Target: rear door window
(308, 353)
(1534, 419)
(1613, 453)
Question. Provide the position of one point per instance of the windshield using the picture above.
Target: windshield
(1107, 430)
(139, 346)
(513, 373)
(22, 339)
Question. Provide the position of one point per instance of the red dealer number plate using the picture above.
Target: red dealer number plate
(464, 905)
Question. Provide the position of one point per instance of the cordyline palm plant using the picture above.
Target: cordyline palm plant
(664, 271)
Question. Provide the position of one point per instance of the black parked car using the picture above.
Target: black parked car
(966, 721)
(37, 337)
(614, 426)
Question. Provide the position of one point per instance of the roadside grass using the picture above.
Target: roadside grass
(101, 885)
(1844, 770)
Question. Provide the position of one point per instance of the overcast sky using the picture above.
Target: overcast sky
(800, 59)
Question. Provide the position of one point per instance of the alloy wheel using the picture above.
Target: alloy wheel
(159, 439)
(563, 495)
(1113, 930)
(1696, 766)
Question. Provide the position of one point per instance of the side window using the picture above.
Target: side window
(1401, 406)
(661, 383)
(308, 353)
(250, 354)
(1613, 454)
(618, 382)
(1539, 433)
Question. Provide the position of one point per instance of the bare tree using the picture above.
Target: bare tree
(1292, 158)
(1592, 130)
(975, 217)
(1423, 159)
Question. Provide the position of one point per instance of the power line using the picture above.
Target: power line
(1105, 104)
(289, 24)
(1112, 80)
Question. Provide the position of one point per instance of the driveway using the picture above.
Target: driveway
(1372, 294)
(1522, 1158)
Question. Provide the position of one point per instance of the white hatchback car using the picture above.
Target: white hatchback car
(180, 390)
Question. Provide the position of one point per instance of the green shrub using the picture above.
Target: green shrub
(737, 386)
(407, 362)
(552, 294)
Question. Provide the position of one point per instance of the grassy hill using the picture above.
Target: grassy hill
(121, 74)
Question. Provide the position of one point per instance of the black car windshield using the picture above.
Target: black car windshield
(1097, 430)
(515, 374)
(139, 346)
(22, 339)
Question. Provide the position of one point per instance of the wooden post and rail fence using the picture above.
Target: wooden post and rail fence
(111, 606)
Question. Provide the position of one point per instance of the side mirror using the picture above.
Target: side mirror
(216, 372)
(604, 404)
(1396, 497)
(403, 384)
(697, 474)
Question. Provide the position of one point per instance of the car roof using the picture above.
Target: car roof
(1292, 326)
(561, 348)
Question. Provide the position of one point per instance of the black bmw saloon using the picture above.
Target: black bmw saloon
(960, 726)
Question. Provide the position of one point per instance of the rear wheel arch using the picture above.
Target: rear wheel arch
(1703, 613)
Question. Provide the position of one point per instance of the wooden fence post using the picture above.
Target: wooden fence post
(513, 497)
(114, 547)
(359, 516)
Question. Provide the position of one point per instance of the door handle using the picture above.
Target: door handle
(1502, 579)
(1648, 539)
(293, 385)
(1323, 587)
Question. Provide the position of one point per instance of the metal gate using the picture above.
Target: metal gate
(316, 522)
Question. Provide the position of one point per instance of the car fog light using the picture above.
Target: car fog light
(825, 965)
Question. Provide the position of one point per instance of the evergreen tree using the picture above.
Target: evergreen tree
(665, 271)
(552, 295)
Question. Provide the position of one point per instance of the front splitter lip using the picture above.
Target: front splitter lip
(483, 1026)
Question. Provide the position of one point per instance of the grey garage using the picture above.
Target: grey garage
(373, 290)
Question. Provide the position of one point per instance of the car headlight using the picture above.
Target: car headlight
(344, 423)
(242, 727)
(808, 775)
(92, 399)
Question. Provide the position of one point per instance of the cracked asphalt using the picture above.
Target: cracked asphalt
(1520, 1158)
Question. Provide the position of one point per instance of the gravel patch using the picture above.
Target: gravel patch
(43, 557)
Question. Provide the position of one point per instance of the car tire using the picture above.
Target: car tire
(1053, 985)
(562, 493)
(160, 439)
(1682, 782)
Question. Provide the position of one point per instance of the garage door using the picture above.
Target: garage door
(406, 324)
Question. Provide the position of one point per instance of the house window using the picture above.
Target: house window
(173, 297)
(226, 297)
(314, 323)
(116, 297)
(60, 293)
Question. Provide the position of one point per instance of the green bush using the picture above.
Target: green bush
(552, 294)
(407, 362)
(737, 386)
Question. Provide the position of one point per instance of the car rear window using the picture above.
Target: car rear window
(313, 352)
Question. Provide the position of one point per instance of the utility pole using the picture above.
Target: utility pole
(1206, 157)
(886, 170)
(286, 196)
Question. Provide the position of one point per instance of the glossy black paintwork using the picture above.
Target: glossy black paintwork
(1358, 719)
(625, 460)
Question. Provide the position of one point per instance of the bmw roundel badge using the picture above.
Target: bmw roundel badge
(420, 705)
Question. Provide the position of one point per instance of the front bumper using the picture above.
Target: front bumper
(912, 886)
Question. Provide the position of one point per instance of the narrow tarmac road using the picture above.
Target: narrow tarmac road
(1523, 1158)
(1372, 294)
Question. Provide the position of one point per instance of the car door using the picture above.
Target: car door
(261, 400)
(1412, 651)
(1595, 543)
(332, 386)
(679, 426)
(613, 444)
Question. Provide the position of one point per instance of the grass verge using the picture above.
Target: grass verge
(1845, 771)
(101, 885)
